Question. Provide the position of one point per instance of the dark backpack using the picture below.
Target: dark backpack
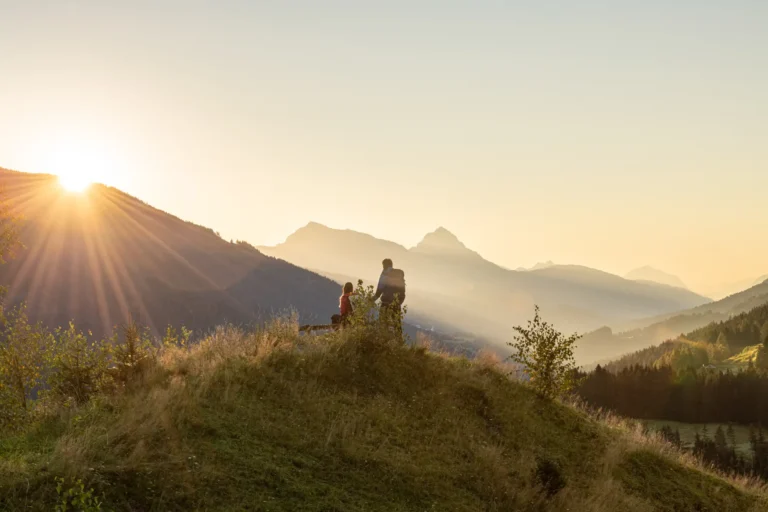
(396, 285)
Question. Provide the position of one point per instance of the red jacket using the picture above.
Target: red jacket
(345, 305)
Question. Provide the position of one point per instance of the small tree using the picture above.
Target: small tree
(131, 348)
(381, 321)
(14, 381)
(547, 356)
(761, 358)
(77, 365)
(22, 360)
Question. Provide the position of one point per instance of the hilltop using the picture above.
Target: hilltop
(273, 421)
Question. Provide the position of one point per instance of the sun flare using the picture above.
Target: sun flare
(75, 181)
(78, 164)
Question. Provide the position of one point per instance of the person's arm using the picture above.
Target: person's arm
(379, 288)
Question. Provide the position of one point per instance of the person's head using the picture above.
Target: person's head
(348, 288)
(387, 264)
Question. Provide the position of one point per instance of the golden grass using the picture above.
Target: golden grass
(347, 421)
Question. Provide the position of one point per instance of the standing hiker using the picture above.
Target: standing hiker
(391, 290)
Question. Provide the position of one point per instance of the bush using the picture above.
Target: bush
(76, 498)
(22, 363)
(131, 350)
(378, 322)
(174, 338)
(547, 356)
(550, 477)
(77, 365)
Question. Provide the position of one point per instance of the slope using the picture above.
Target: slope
(653, 331)
(272, 422)
(101, 256)
(575, 298)
(743, 334)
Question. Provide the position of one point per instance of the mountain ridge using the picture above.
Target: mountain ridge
(655, 330)
(649, 273)
(103, 256)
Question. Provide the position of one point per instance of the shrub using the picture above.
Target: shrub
(174, 338)
(130, 350)
(77, 365)
(76, 498)
(377, 321)
(549, 477)
(22, 363)
(547, 356)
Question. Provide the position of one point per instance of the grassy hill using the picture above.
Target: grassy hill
(346, 422)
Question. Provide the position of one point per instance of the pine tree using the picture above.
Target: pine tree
(761, 359)
(720, 440)
(722, 347)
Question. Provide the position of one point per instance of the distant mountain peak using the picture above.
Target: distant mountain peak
(314, 225)
(443, 241)
(543, 264)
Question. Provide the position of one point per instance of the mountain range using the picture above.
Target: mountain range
(456, 286)
(102, 256)
(607, 344)
(726, 289)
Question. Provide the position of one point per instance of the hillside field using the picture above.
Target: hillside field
(351, 421)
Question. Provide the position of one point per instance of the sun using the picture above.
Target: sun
(75, 181)
(79, 163)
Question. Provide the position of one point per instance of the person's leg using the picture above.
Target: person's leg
(392, 318)
(397, 318)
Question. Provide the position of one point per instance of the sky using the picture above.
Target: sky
(612, 134)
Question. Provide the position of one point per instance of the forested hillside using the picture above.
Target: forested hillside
(657, 330)
(716, 374)
(716, 343)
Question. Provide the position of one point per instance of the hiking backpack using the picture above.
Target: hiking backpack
(396, 284)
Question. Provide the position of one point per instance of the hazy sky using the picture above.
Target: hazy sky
(607, 133)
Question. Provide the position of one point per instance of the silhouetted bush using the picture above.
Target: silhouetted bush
(550, 477)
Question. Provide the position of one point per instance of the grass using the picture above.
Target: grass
(347, 422)
(745, 356)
